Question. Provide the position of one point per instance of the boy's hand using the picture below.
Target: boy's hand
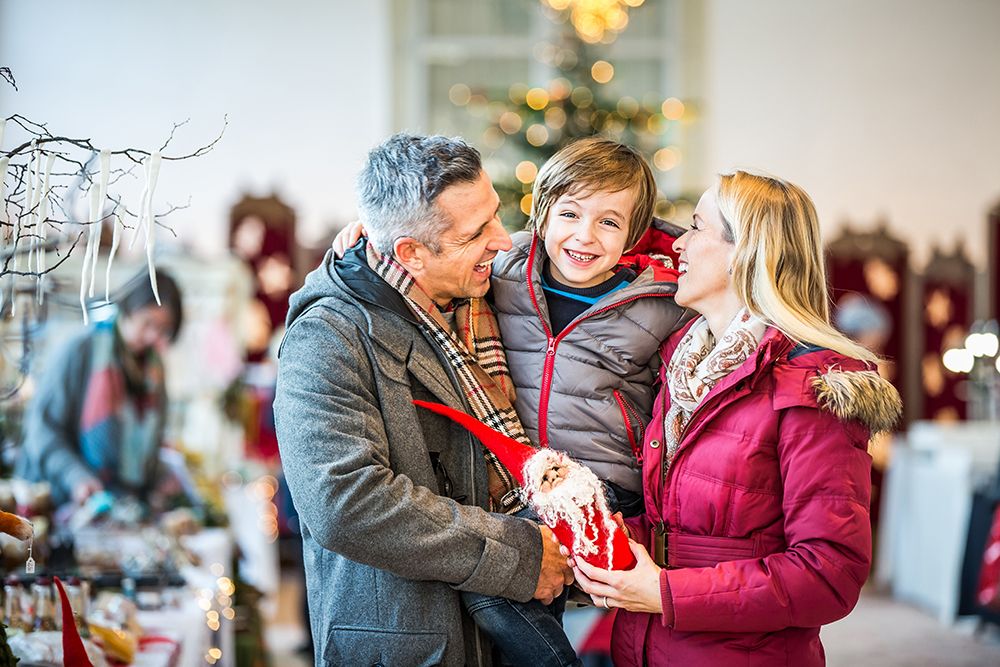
(347, 237)
(620, 520)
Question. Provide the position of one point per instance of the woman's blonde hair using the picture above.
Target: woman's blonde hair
(778, 267)
(595, 164)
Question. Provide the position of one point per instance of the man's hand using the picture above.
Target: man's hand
(347, 237)
(555, 572)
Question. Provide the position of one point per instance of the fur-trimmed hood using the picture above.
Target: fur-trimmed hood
(864, 396)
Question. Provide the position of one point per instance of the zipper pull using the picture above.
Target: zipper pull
(551, 350)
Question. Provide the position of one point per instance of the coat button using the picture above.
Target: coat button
(654, 443)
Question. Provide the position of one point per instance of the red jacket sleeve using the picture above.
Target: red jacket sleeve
(817, 579)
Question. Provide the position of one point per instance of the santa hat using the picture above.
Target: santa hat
(514, 455)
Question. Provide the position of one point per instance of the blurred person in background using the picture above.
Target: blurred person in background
(97, 418)
(864, 321)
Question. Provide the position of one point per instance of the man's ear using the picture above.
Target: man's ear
(408, 253)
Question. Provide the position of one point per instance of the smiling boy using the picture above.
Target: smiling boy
(581, 330)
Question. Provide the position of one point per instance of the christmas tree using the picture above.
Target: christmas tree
(528, 125)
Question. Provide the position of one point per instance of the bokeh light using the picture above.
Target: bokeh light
(602, 71)
(459, 94)
(672, 108)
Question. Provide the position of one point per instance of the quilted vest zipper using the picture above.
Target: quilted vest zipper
(550, 354)
(633, 423)
(552, 342)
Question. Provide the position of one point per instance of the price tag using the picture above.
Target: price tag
(29, 565)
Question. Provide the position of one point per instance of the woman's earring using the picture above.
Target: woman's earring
(730, 270)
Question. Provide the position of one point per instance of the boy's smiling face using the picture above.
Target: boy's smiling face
(585, 235)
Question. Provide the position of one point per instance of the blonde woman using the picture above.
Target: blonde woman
(756, 470)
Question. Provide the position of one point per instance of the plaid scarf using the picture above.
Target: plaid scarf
(121, 422)
(699, 363)
(476, 354)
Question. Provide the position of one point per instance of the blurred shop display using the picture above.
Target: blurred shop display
(934, 473)
(875, 266)
(262, 235)
(162, 590)
(939, 538)
(173, 588)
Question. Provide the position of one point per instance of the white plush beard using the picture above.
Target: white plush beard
(578, 500)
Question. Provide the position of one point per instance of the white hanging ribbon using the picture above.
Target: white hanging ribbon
(98, 220)
(143, 198)
(116, 226)
(35, 203)
(153, 175)
(86, 272)
(35, 157)
(43, 229)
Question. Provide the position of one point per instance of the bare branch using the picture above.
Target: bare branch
(46, 177)
(172, 130)
(8, 76)
(207, 147)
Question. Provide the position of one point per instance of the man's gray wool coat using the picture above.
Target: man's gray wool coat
(386, 551)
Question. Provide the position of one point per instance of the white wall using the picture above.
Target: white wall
(305, 84)
(877, 107)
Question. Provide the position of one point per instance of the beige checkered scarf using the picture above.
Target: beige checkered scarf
(477, 356)
(699, 363)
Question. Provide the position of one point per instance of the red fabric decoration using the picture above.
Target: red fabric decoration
(514, 455)
(988, 590)
(74, 654)
(655, 248)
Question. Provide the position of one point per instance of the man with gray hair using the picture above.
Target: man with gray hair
(400, 510)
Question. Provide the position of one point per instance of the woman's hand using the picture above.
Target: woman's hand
(637, 589)
(347, 237)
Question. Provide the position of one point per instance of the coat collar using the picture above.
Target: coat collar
(359, 279)
(803, 375)
(425, 363)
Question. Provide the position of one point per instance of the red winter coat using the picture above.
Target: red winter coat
(765, 510)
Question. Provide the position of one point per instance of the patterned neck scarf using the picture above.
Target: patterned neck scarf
(476, 354)
(122, 418)
(699, 363)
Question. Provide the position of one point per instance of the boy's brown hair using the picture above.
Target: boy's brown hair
(595, 164)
